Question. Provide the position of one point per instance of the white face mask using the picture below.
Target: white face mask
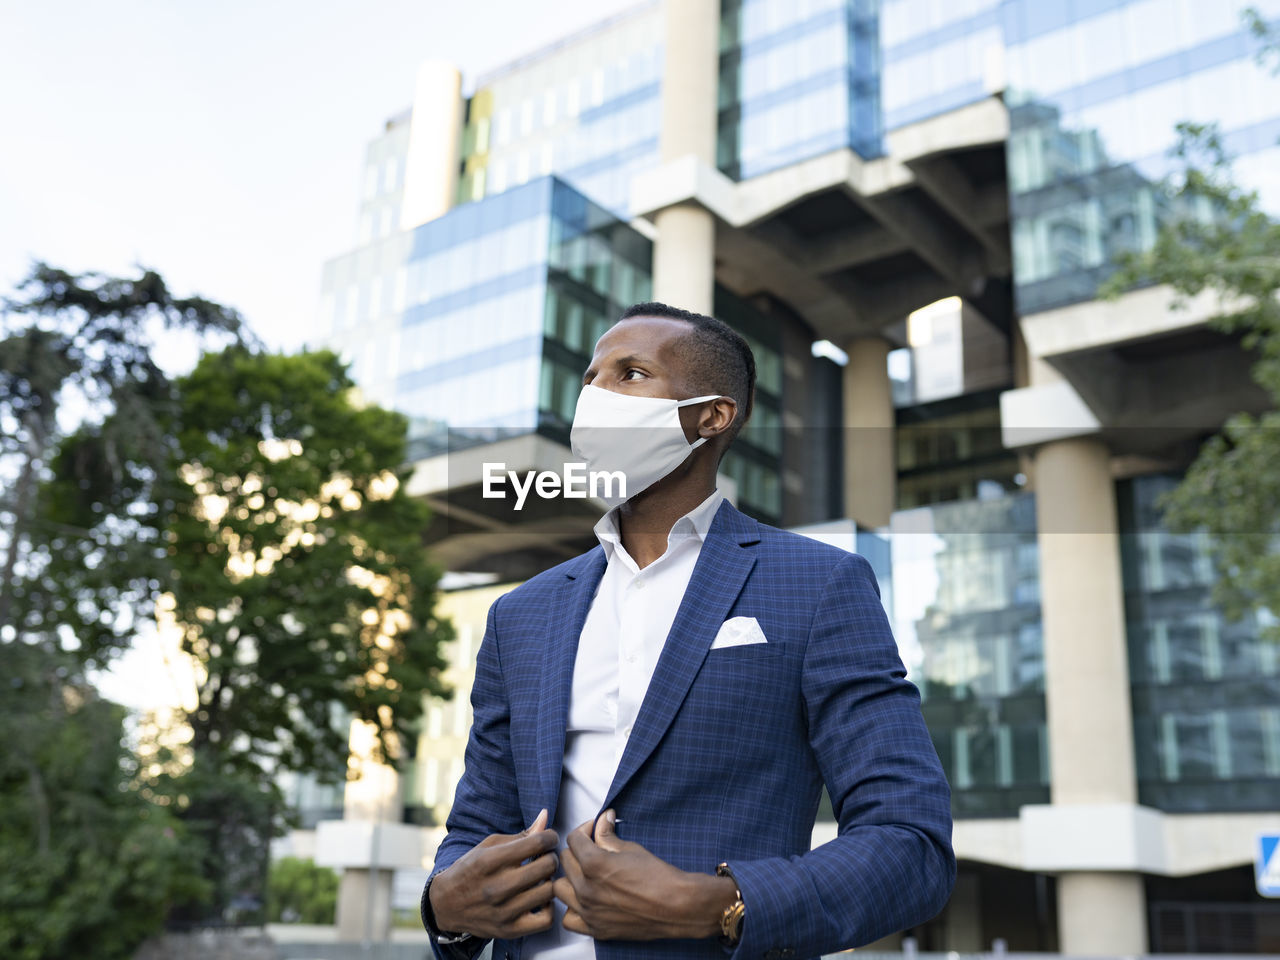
(640, 437)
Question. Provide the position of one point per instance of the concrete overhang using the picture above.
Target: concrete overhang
(854, 244)
(1147, 369)
(1061, 838)
(474, 532)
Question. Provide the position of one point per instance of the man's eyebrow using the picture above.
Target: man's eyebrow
(616, 362)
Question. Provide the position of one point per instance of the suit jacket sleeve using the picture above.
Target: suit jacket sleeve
(891, 865)
(485, 800)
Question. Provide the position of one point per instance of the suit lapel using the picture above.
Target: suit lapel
(564, 626)
(718, 576)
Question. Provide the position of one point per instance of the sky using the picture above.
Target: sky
(221, 144)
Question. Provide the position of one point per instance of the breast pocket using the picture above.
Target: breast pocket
(744, 652)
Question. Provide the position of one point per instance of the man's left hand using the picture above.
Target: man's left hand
(617, 890)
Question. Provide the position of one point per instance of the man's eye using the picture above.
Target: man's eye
(627, 375)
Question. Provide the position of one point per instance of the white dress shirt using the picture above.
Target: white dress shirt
(624, 633)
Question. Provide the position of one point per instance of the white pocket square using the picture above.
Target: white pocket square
(737, 631)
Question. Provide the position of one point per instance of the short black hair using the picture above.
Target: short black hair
(722, 359)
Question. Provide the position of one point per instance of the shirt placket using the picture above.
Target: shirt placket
(631, 636)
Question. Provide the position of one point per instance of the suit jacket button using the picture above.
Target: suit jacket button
(774, 954)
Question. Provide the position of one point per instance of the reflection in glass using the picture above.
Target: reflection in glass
(1206, 691)
(967, 617)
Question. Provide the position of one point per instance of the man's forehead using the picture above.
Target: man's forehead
(651, 335)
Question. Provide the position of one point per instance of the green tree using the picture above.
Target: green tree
(88, 865)
(297, 577)
(81, 348)
(298, 891)
(1218, 239)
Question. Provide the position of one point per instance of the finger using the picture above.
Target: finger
(529, 923)
(605, 835)
(565, 893)
(538, 896)
(539, 823)
(572, 868)
(512, 881)
(521, 848)
(574, 923)
(583, 847)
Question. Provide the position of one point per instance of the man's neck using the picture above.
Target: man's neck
(645, 522)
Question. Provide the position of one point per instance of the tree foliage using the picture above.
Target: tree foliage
(1219, 240)
(88, 865)
(298, 891)
(298, 575)
(83, 346)
(253, 508)
(296, 578)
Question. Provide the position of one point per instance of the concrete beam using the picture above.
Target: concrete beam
(943, 180)
(1137, 315)
(947, 254)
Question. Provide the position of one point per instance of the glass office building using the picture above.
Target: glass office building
(1095, 91)
(483, 321)
(1206, 690)
(938, 56)
(479, 323)
(967, 606)
(796, 80)
(587, 110)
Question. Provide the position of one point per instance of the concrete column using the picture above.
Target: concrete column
(963, 919)
(1102, 914)
(684, 252)
(684, 258)
(364, 906)
(364, 893)
(1090, 721)
(870, 475)
(431, 166)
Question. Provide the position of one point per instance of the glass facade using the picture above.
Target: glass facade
(938, 55)
(797, 79)
(1206, 692)
(1095, 90)
(966, 592)
(448, 316)
(587, 110)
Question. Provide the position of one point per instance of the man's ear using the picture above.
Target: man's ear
(717, 417)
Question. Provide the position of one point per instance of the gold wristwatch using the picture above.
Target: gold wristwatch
(733, 915)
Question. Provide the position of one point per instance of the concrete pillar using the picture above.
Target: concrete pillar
(684, 258)
(364, 911)
(870, 475)
(1090, 721)
(963, 918)
(684, 252)
(431, 166)
(364, 893)
(1102, 914)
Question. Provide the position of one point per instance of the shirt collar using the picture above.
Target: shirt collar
(697, 522)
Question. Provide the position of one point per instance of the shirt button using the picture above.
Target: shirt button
(639, 584)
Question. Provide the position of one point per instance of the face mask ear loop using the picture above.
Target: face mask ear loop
(693, 400)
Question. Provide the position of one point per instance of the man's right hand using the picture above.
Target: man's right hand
(490, 891)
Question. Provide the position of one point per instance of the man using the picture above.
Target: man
(671, 704)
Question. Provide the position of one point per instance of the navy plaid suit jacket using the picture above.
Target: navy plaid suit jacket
(731, 747)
